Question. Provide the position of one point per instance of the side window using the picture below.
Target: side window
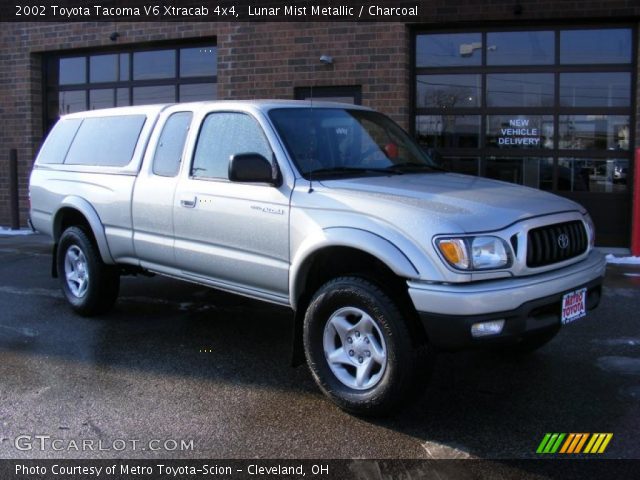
(59, 140)
(166, 160)
(106, 141)
(222, 135)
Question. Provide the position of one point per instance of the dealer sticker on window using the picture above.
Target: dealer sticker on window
(574, 305)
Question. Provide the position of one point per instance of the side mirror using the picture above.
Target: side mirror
(251, 168)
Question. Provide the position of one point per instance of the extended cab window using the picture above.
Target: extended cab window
(222, 135)
(166, 161)
(57, 145)
(106, 141)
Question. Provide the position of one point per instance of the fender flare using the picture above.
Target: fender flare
(97, 228)
(359, 239)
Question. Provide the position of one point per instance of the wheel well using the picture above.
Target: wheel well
(65, 218)
(70, 217)
(334, 262)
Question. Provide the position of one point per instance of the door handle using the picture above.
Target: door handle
(188, 203)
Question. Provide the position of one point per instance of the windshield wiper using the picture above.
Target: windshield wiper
(351, 170)
(411, 166)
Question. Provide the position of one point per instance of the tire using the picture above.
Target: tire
(357, 314)
(88, 284)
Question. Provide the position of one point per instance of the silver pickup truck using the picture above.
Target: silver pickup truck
(329, 209)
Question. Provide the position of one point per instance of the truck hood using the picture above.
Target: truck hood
(467, 203)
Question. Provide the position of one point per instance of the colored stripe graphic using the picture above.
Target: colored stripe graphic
(592, 440)
(573, 443)
(567, 443)
(556, 445)
(598, 442)
(581, 442)
(605, 444)
(550, 443)
(543, 443)
(577, 438)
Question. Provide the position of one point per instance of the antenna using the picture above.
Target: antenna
(310, 138)
(325, 60)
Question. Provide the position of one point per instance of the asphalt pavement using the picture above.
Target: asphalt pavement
(182, 371)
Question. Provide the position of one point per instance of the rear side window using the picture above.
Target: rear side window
(166, 160)
(106, 141)
(225, 134)
(57, 145)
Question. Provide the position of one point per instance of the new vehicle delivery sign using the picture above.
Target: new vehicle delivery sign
(519, 132)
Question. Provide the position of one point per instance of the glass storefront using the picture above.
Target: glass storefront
(549, 108)
(130, 76)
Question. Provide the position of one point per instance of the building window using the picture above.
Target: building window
(449, 50)
(549, 108)
(129, 76)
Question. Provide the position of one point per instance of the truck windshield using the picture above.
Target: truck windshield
(326, 142)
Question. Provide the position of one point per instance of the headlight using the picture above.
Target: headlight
(591, 230)
(488, 252)
(475, 253)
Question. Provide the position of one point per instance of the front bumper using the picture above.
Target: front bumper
(527, 304)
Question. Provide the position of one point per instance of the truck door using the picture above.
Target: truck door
(234, 235)
(153, 197)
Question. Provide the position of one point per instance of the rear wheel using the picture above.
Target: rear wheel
(359, 347)
(88, 284)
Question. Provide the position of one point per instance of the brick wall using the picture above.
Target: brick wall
(261, 60)
(257, 60)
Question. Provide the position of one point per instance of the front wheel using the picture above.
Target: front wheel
(359, 347)
(88, 284)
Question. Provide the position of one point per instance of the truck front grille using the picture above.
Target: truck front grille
(555, 243)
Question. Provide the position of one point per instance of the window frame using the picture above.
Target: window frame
(201, 121)
(184, 144)
(483, 151)
(144, 120)
(50, 58)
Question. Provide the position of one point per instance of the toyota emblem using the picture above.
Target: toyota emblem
(563, 240)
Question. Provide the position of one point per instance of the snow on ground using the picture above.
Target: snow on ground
(623, 260)
(8, 231)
